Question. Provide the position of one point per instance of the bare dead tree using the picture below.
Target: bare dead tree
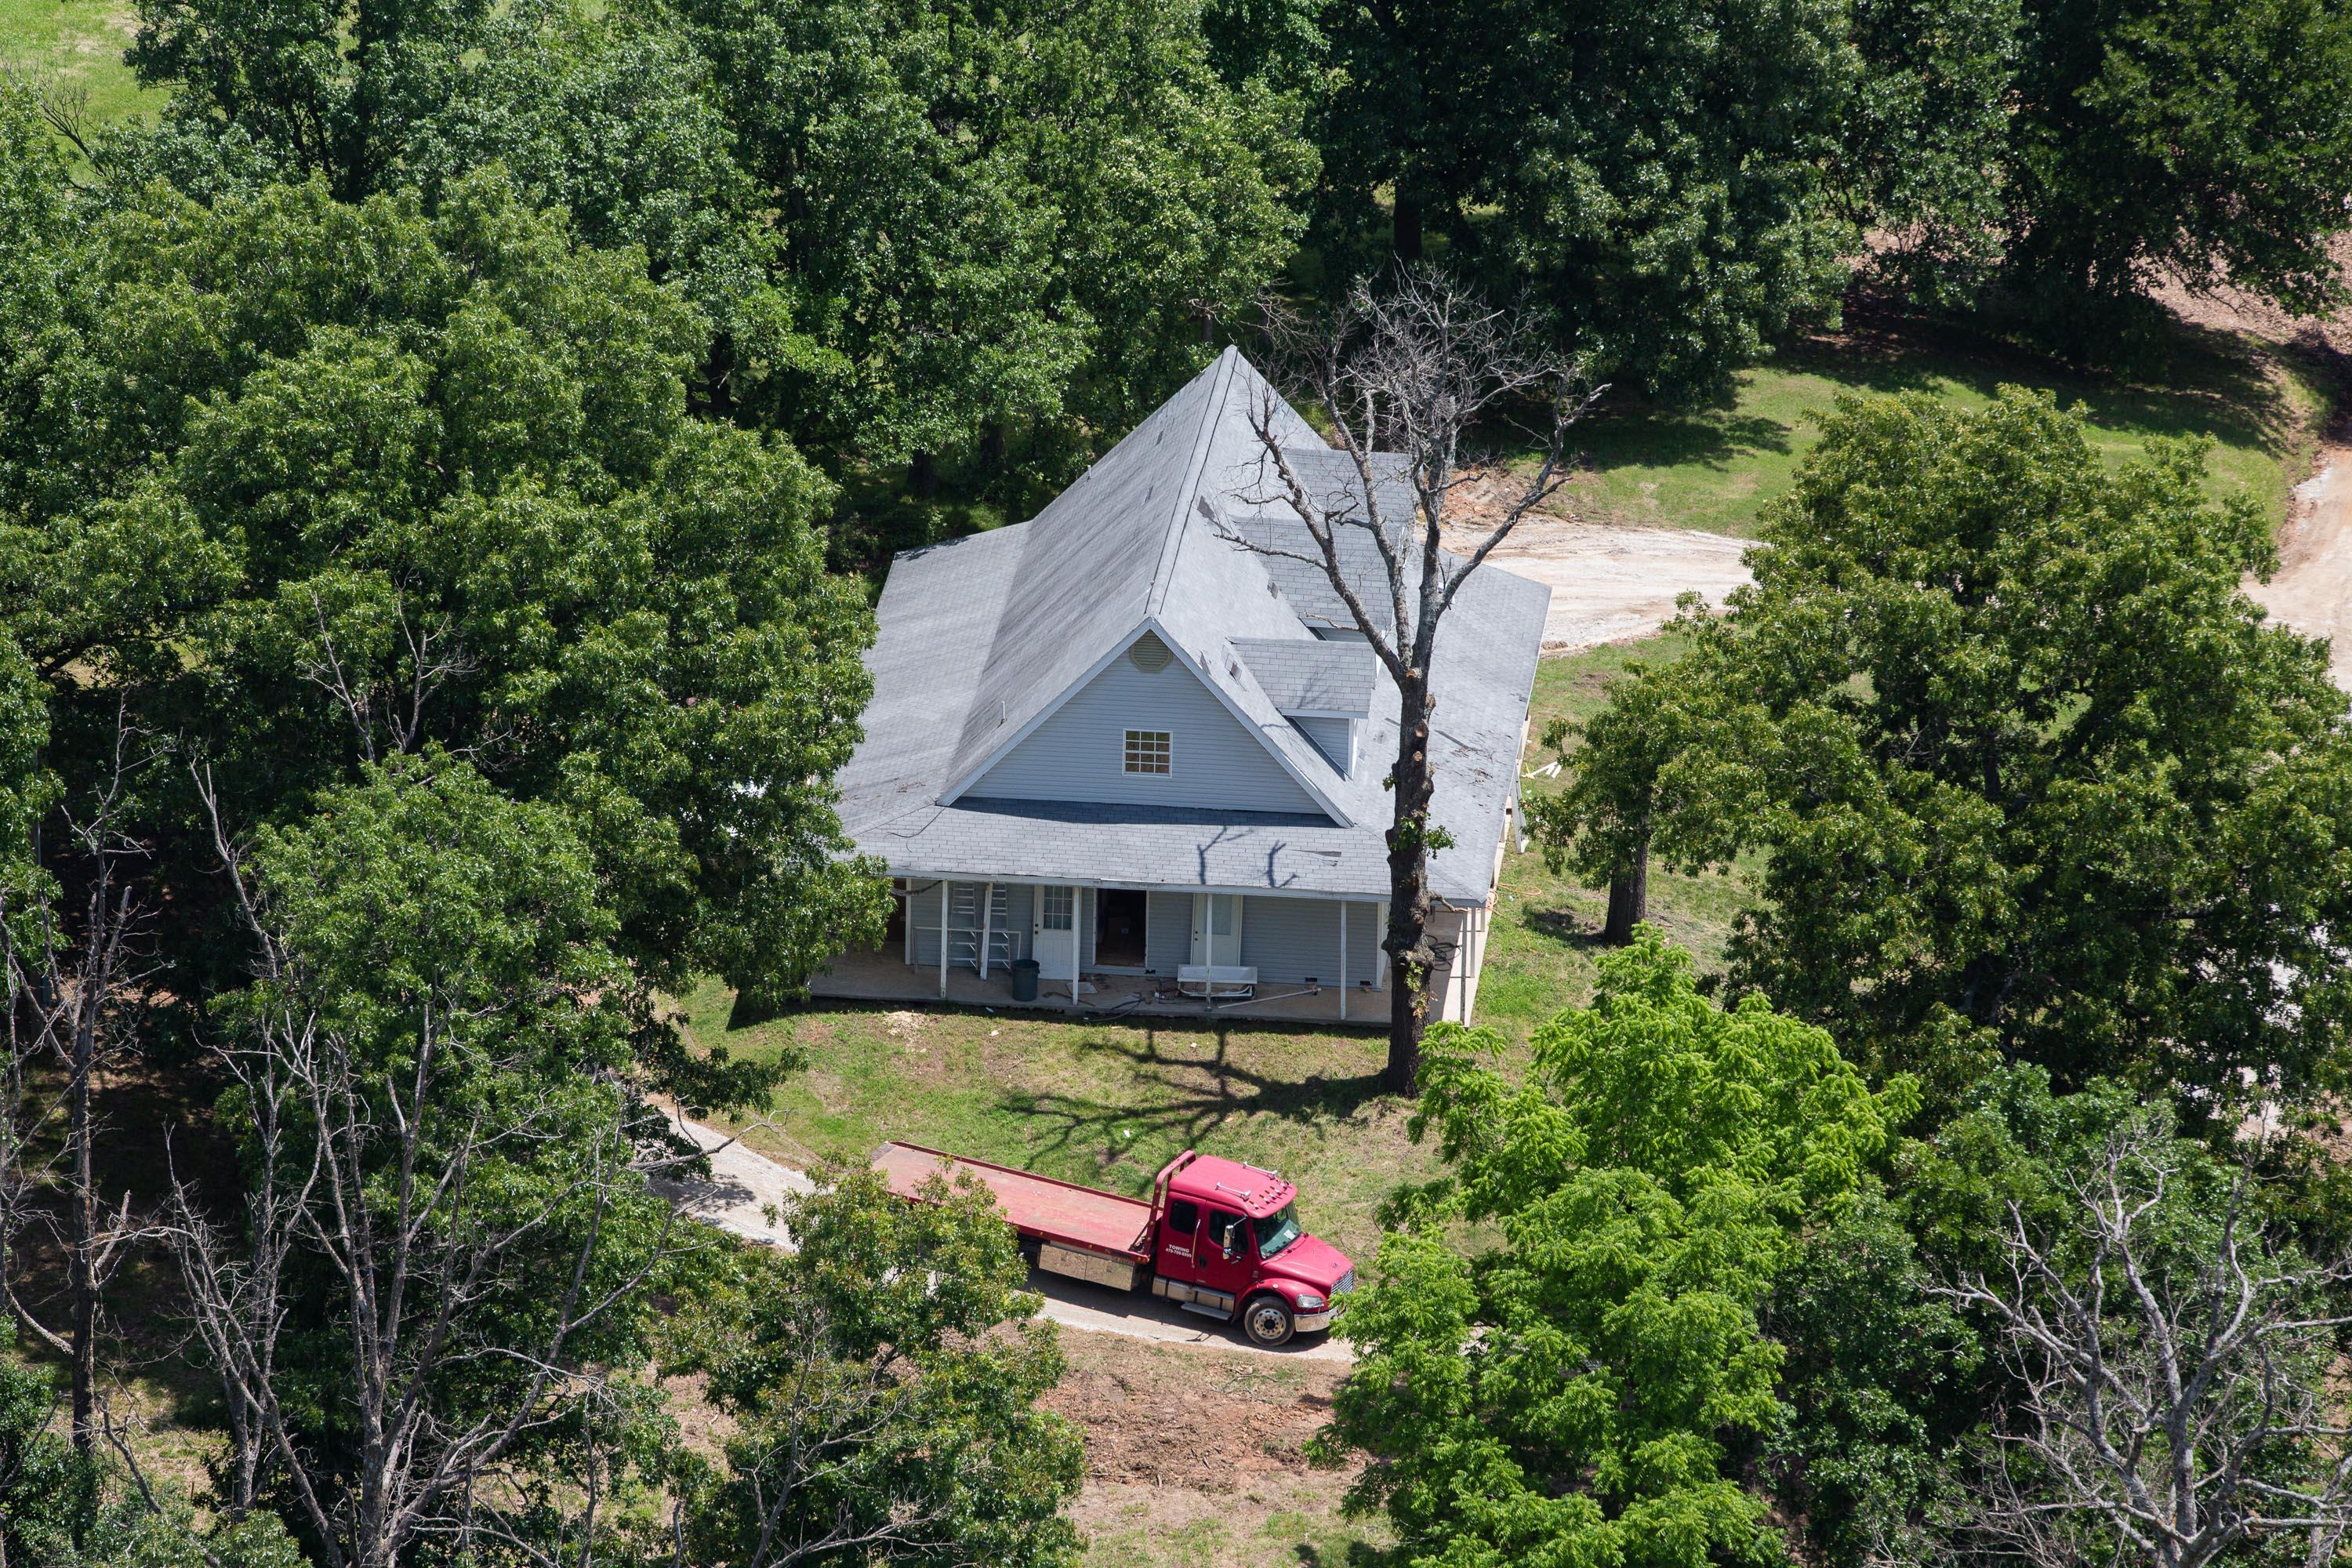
(1406, 375)
(63, 104)
(70, 985)
(377, 1175)
(386, 697)
(2177, 1405)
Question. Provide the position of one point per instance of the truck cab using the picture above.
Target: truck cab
(1226, 1241)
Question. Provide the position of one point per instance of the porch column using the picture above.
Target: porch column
(1462, 960)
(987, 918)
(943, 938)
(1343, 961)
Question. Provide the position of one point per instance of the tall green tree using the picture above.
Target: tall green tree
(2033, 778)
(327, 88)
(1925, 140)
(920, 231)
(311, 484)
(448, 1255)
(2206, 141)
(1655, 175)
(882, 1378)
(1595, 1387)
(992, 217)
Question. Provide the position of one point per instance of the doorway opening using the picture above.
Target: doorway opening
(1119, 928)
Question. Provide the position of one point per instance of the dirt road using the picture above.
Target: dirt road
(1608, 583)
(2312, 589)
(745, 1185)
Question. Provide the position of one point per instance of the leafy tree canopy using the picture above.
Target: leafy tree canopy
(1587, 1391)
(2031, 774)
(311, 484)
(919, 231)
(1925, 138)
(2210, 141)
(1652, 173)
(883, 1376)
(993, 216)
(24, 730)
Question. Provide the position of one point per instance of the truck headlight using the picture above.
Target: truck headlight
(1308, 1301)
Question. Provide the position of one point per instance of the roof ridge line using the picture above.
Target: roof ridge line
(1172, 545)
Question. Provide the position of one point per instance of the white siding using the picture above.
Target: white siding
(1019, 906)
(1335, 738)
(1079, 753)
(923, 922)
(1289, 940)
(1167, 931)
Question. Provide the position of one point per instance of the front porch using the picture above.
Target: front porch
(1311, 960)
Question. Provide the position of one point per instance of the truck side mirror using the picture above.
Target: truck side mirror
(1233, 1249)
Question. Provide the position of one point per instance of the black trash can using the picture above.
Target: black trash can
(1025, 979)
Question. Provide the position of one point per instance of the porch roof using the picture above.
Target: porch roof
(1138, 847)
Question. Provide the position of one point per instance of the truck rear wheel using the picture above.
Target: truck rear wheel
(1268, 1320)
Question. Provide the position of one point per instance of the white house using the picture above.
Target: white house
(1113, 741)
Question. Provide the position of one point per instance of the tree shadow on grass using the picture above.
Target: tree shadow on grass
(2186, 379)
(2191, 380)
(1562, 925)
(749, 1009)
(1655, 438)
(1181, 1095)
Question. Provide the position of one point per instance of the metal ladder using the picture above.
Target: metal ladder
(965, 927)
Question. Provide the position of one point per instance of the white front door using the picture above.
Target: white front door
(1053, 938)
(1217, 928)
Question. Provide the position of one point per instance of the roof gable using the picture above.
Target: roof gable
(1076, 750)
(1129, 546)
(1142, 543)
(1089, 564)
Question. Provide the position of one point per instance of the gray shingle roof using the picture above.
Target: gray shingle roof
(979, 637)
(1313, 676)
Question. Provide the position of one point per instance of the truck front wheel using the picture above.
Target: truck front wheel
(1268, 1320)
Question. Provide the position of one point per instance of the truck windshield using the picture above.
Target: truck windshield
(1278, 1230)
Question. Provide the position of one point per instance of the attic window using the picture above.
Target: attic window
(1150, 654)
(1149, 751)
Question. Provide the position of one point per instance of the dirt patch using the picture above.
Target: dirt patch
(1196, 1457)
(1609, 582)
(702, 1426)
(1612, 583)
(2233, 310)
(1204, 1421)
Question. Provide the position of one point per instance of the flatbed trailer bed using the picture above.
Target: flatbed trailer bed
(1041, 1209)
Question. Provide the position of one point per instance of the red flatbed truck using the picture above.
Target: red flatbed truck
(1217, 1237)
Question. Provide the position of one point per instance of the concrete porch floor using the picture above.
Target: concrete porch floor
(886, 977)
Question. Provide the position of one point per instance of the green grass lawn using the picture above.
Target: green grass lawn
(1715, 467)
(74, 47)
(1542, 948)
